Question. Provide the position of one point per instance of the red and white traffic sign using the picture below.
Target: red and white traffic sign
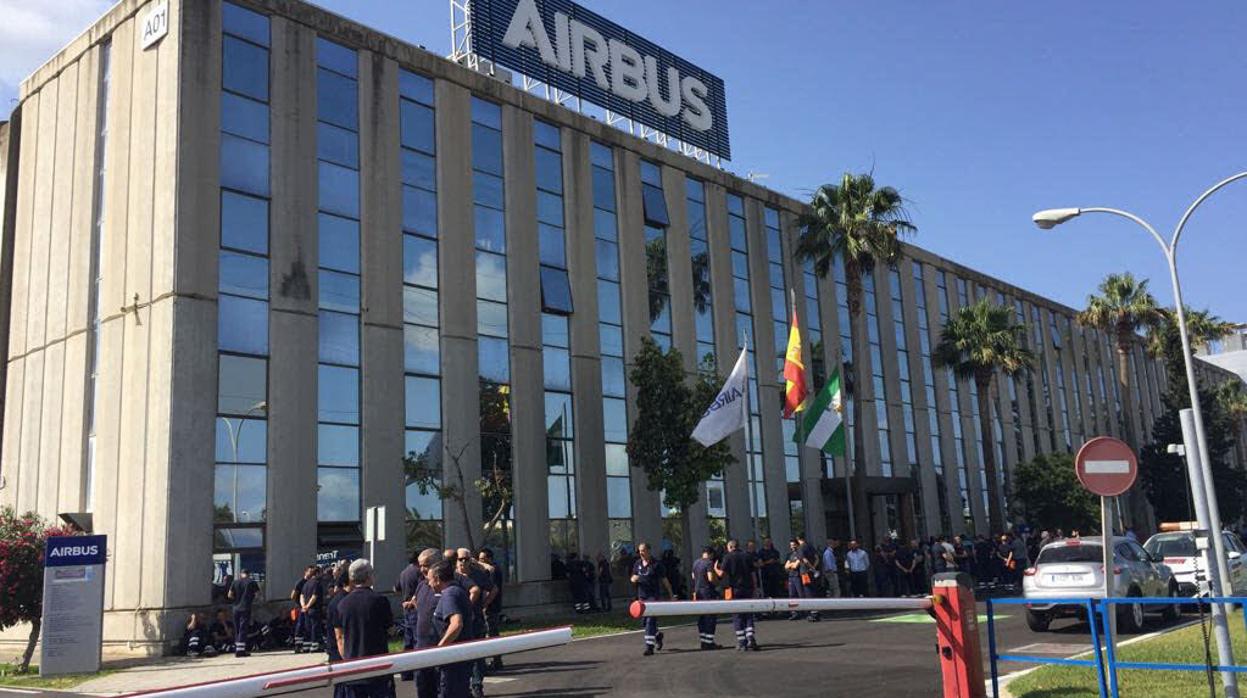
(1106, 466)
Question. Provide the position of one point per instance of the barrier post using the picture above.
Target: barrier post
(956, 623)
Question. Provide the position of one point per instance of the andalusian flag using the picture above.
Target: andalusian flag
(824, 420)
(796, 390)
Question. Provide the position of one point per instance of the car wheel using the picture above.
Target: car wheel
(1173, 611)
(1037, 621)
(1130, 616)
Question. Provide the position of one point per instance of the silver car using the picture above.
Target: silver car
(1073, 568)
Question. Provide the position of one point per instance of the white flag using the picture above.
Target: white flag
(727, 413)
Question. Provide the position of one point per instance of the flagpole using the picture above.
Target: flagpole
(753, 491)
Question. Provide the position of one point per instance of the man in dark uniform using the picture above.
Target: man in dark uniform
(452, 622)
(242, 593)
(311, 600)
(493, 610)
(296, 595)
(771, 569)
(483, 579)
(904, 563)
(361, 627)
(408, 583)
(751, 551)
(810, 572)
(577, 584)
(704, 590)
(341, 587)
(650, 580)
(427, 680)
(738, 571)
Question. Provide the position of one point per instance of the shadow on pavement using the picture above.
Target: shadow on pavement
(542, 668)
(577, 692)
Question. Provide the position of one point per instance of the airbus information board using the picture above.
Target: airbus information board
(73, 604)
(582, 53)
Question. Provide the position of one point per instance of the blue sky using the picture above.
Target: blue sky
(979, 112)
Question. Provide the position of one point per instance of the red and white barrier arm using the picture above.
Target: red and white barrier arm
(640, 609)
(322, 675)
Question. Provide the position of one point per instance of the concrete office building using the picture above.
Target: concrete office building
(247, 269)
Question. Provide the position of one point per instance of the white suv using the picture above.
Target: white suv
(1073, 568)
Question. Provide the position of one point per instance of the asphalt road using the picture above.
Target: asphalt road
(879, 655)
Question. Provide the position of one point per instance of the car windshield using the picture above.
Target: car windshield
(1071, 553)
(1178, 546)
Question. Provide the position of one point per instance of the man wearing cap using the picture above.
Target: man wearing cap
(360, 628)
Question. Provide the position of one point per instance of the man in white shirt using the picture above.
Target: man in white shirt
(858, 563)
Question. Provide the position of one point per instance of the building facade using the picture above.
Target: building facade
(279, 268)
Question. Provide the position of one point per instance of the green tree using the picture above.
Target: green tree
(1048, 491)
(1123, 307)
(1164, 475)
(977, 341)
(22, 542)
(1165, 343)
(669, 405)
(862, 224)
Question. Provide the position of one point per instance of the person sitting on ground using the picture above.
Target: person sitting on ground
(196, 641)
(222, 632)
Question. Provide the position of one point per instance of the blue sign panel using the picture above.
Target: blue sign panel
(580, 52)
(66, 551)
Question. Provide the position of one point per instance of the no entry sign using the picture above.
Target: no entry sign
(1106, 466)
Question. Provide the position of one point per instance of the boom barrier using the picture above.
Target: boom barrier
(323, 675)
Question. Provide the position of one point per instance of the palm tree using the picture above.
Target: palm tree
(1231, 397)
(862, 224)
(1124, 307)
(977, 341)
(1165, 343)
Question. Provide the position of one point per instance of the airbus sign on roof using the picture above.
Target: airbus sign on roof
(582, 53)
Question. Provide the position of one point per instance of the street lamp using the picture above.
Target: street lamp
(1053, 217)
(234, 436)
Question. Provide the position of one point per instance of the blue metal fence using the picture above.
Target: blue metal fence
(1104, 656)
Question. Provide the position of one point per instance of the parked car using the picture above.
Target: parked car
(1073, 568)
(1178, 551)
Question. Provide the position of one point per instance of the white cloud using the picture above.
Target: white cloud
(32, 31)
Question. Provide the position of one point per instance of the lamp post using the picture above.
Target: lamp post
(1051, 218)
(234, 435)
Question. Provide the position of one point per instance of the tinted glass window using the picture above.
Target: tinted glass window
(550, 245)
(337, 444)
(339, 243)
(604, 225)
(415, 86)
(611, 337)
(556, 293)
(239, 493)
(607, 259)
(608, 302)
(239, 21)
(419, 170)
(420, 306)
(491, 277)
(420, 211)
(417, 127)
(1071, 553)
(601, 155)
(549, 170)
(554, 330)
(650, 173)
(241, 440)
(494, 361)
(339, 338)
(337, 145)
(486, 113)
(244, 117)
(424, 407)
(243, 385)
(420, 349)
(613, 376)
(486, 149)
(487, 189)
(490, 229)
(546, 134)
(615, 420)
(603, 189)
(244, 68)
(339, 291)
(339, 189)
(491, 318)
(557, 368)
(244, 165)
(337, 100)
(655, 206)
(549, 208)
(1179, 546)
(242, 325)
(337, 57)
(338, 391)
(337, 498)
(419, 261)
(244, 274)
(244, 222)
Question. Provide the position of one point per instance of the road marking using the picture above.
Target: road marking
(498, 679)
(1107, 467)
(1049, 648)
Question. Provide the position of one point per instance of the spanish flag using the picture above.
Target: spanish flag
(796, 390)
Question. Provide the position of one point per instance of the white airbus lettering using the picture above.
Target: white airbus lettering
(613, 65)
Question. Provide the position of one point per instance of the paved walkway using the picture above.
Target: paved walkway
(180, 671)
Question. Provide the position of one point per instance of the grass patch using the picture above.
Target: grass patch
(9, 677)
(1185, 646)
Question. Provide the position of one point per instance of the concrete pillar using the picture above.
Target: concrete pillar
(293, 324)
(948, 441)
(381, 242)
(646, 515)
(456, 265)
(529, 469)
(769, 404)
(922, 425)
(727, 346)
(590, 453)
(969, 429)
